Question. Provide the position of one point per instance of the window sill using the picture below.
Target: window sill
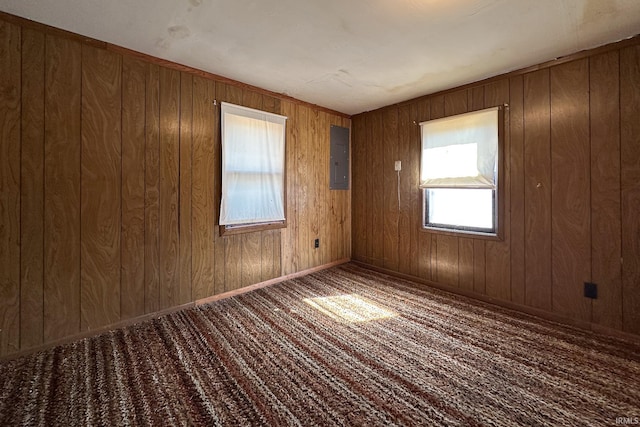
(253, 228)
(462, 233)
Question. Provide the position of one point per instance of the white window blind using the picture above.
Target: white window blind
(460, 151)
(253, 157)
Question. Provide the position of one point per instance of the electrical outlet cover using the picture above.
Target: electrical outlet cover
(590, 290)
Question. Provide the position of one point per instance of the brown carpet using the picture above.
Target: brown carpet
(344, 346)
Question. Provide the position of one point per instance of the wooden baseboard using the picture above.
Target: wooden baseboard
(94, 332)
(145, 317)
(542, 314)
(269, 282)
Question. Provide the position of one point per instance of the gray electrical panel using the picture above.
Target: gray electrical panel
(339, 164)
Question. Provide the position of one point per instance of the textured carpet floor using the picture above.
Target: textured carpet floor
(341, 347)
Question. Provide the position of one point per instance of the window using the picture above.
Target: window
(459, 172)
(253, 157)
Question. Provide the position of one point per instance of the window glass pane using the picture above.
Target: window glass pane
(471, 208)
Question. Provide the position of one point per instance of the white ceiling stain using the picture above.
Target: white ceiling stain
(179, 32)
(350, 56)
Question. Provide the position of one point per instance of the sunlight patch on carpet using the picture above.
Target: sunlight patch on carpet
(350, 308)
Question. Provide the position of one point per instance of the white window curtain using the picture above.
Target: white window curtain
(460, 151)
(253, 157)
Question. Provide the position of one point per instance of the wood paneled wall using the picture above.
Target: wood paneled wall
(110, 189)
(572, 190)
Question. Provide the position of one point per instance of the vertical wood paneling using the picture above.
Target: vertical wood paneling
(304, 178)
(271, 104)
(368, 190)
(376, 185)
(101, 188)
(516, 178)
(476, 98)
(185, 182)
(289, 242)
(407, 228)
(62, 188)
(498, 264)
(110, 189)
(537, 190)
(268, 252)
(447, 260)
(217, 91)
(169, 186)
(426, 252)
(465, 263)
(32, 190)
(455, 103)
(390, 189)
(426, 241)
(329, 222)
(152, 192)
(570, 188)
(345, 235)
(59, 101)
(606, 271)
(359, 234)
(479, 266)
(316, 183)
(133, 187)
(251, 248)
(202, 193)
(322, 180)
(413, 171)
(336, 204)
(437, 108)
(10, 67)
(630, 183)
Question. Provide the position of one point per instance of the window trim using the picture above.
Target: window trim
(226, 230)
(498, 234)
(460, 229)
(230, 230)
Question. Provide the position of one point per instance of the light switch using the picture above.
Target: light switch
(398, 165)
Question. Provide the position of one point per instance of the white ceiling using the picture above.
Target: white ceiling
(347, 55)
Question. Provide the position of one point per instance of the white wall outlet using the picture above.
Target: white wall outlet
(398, 165)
